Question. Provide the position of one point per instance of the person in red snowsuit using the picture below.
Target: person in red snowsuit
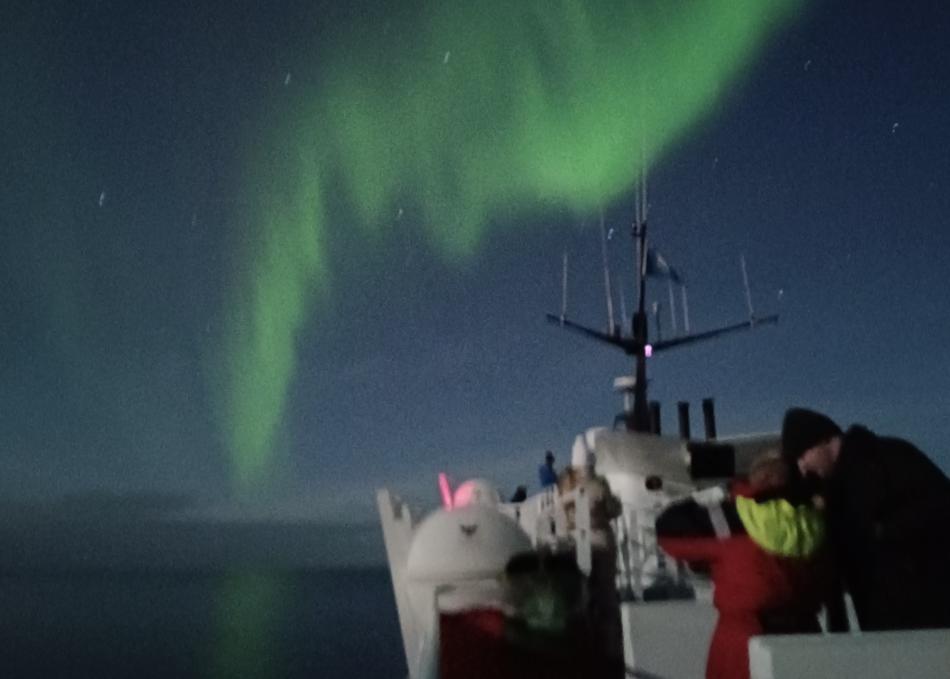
(766, 561)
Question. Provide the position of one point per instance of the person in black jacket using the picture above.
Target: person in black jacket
(888, 515)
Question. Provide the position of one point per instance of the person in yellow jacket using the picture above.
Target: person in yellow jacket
(765, 553)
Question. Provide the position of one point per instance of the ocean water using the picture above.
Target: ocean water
(245, 623)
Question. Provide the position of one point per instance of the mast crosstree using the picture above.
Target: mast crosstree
(637, 343)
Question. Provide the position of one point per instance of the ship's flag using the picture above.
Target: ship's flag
(658, 267)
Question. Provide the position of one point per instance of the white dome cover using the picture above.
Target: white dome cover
(469, 543)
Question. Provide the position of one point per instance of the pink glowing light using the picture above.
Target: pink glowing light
(648, 350)
(445, 490)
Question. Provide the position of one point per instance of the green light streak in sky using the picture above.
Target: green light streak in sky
(464, 110)
(286, 271)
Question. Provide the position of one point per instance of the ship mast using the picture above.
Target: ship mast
(639, 418)
(637, 344)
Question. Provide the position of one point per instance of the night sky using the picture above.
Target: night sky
(177, 173)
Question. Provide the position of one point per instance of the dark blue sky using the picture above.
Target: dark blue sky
(826, 163)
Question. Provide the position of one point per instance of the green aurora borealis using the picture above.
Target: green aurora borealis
(461, 111)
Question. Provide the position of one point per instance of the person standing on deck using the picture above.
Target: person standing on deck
(888, 513)
(604, 601)
(547, 475)
(766, 559)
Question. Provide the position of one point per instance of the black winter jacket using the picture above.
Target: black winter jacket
(889, 523)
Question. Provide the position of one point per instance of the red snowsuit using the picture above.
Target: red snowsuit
(756, 590)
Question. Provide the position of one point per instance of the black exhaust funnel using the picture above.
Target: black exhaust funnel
(655, 417)
(683, 410)
(709, 417)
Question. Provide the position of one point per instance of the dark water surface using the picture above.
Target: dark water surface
(324, 623)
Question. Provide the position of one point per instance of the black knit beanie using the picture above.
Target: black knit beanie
(803, 429)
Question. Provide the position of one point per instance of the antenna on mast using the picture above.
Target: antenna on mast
(669, 283)
(685, 309)
(610, 302)
(748, 290)
(623, 298)
(564, 288)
